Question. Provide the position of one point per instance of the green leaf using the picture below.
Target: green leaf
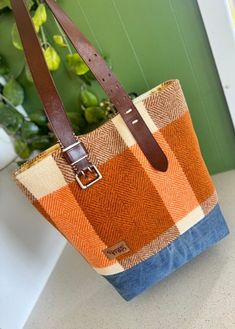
(89, 76)
(58, 39)
(88, 99)
(4, 68)
(39, 118)
(28, 74)
(14, 92)
(75, 120)
(20, 163)
(108, 61)
(94, 114)
(29, 130)
(30, 4)
(76, 65)
(10, 119)
(52, 58)
(73, 116)
(4, 4)
(22, 149)
(133, 95)
(16, 38)
(41, 143)
(40, 17)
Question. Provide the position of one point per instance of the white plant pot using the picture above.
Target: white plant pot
(7, 153)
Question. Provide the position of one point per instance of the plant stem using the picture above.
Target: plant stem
(7, 101)
(12, 108)
(20, 71)
(63, 35)
(44, 39)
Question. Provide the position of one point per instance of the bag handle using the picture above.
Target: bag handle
(74, 151)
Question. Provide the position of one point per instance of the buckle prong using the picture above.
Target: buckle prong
(92, 168)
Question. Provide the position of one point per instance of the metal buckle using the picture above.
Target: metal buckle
(93, 169)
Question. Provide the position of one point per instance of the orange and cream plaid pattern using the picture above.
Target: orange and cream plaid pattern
(134, 203)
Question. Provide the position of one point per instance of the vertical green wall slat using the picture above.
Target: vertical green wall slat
(125, 30)
(202, 101)
(211, 106)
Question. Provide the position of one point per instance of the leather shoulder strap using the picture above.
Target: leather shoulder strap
(50, 98)
(52, 102)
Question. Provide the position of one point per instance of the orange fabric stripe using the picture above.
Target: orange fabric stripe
(183, 141)
(63, 208)
(126, 205)
(172, 186)
(39, 207)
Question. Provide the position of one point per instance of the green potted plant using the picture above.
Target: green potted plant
(29, 130)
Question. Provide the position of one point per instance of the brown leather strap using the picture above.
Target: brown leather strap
(52, 103)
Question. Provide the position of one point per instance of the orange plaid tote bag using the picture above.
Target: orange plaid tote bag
(134, 196)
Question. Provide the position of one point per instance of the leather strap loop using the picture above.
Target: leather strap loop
(52, 102)
(44, 83)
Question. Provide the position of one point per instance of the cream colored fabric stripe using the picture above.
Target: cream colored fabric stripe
(190, 220)
(125, 132)
(42, 178)
(109, 270)
(179, 202)
(167, 184)
(155, 246)
(46, 182)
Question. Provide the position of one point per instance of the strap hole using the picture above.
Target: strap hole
(89, 59)
(95, 55)
(109, 74)
(103, 79)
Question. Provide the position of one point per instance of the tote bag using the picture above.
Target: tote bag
(134, 196)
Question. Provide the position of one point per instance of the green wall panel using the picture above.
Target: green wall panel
(150, 41)
(155, 40)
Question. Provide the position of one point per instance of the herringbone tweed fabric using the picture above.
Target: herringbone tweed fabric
(133, 202)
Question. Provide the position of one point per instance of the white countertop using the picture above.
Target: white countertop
(201, 295)
(29, 250)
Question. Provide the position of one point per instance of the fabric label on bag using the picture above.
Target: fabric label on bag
(118, 249)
